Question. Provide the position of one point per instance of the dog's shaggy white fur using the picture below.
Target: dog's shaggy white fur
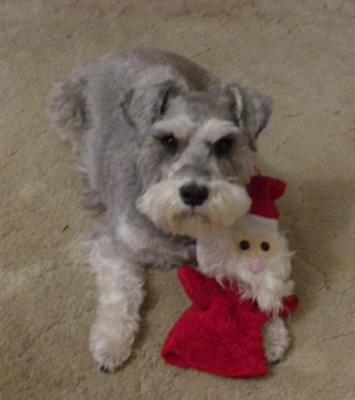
(160, 203)
(166, 150)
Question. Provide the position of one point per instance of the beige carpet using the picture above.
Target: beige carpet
(303, 54)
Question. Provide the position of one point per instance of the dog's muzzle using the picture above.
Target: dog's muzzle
(195, 210)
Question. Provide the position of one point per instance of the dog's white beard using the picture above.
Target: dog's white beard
(225, 203)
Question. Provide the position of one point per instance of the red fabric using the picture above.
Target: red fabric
(263, 191)
(219, 333)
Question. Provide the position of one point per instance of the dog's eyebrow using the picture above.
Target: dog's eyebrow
(181, 127)
(215, 129)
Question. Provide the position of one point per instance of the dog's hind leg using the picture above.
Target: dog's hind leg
(120, 283)
(67, 110)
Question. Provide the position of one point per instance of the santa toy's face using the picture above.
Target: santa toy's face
(260, 263)
(259, 258)
(256, 249)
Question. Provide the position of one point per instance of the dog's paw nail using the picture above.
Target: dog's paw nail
(110, 354)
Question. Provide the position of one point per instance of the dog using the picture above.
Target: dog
(166, 150)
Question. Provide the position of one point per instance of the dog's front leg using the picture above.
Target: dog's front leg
(120, 284)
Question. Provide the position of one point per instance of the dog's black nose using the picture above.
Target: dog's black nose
(193, 195)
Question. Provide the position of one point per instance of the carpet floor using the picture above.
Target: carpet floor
(302, 54)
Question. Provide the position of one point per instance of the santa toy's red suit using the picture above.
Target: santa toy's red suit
(219, 333)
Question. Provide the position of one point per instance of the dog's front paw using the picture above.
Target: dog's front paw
(110, 349)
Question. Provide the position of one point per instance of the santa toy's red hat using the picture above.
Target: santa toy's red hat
(263, 214)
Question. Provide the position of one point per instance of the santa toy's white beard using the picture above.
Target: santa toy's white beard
(218, 258)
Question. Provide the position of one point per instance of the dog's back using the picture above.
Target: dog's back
(95, 88)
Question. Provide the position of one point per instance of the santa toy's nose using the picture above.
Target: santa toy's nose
(256, 264)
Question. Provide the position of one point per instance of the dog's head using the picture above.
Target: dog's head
(195, 154)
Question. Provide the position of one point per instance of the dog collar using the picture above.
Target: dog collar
(186, 240)
(189, 241)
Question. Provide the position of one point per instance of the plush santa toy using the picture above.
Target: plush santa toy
(253, 252)
(242, 281)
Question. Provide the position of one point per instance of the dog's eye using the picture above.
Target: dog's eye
(265, 246)
(223, 146)
(170, 143)
(244, 245)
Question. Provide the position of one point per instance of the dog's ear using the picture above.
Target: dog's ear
(147, 103)
(251, 110)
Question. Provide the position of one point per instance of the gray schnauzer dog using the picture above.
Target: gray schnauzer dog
(166, 149)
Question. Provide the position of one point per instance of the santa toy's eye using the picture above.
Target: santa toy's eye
(244, 245)
(265, 246)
